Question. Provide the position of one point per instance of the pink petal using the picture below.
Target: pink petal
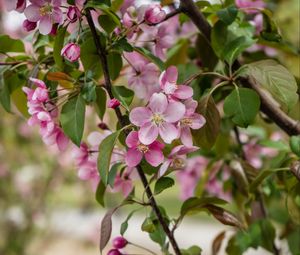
(174, 112)
(198, 121)
(57, 16)
(45, 25)
(32, 13)
(168, 132)
(186, 136)
(156, 145)
(154, 157)
(127, 187)
(133, 157)
(183, 92)
(132, 140)
(164, 167)
(148, 133)
(140, 115)
(172, 74)
(62, 141)
(158, 103)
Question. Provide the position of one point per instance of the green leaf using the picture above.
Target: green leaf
(162, 184)
(89, 57)
(228, 14)
(100, 103)
(295, 144)
(148, 55)
(122, 45)
(206, 136)
(242, 104)
(20, 101)
(114, 61)
(107, 23)
(234, 48)
(72, 119)
(58, 45)
(293, 203)
(277, 80)
(178, 53)
(148, 225)
(124, 225)
(88, 92)
(105, 151)
(270, 31)
(193, 250)
(10, 45)
(100, 193)
(4, 95)
(113, 172)
(219, 38)
(124, 95)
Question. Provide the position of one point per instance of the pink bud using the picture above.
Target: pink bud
(119, 242)
(71, 52)
(73, 14)
(54, 29)
(154, 14)
(28, 25)
(114, 252)
(113, 103)
(102, 126)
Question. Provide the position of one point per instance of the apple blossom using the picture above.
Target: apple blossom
(154, 14)
(71, 52)
(250, 6)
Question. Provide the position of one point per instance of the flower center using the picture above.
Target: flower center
(178, 163)
(46, 9)
(186, 121)
(143, 148)
(157, 119)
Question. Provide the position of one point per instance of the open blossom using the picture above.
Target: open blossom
(46, 12)
(71, 52)
(142, 75)
(163, 40)
(250, 4)
(154, 14)
(176, 158)
(152, 152)
(158, 118)
(167, 81)
(18, 5)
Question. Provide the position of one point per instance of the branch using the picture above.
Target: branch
(108, 86)
(285, 122)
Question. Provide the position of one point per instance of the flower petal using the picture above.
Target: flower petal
(154, 157)
(183, 92)
(132, 140)
(198, 121)
(168, 132)
(45, 25)
(174, 112)
(164, 167)
(32, 13)
(148, 133)
(133, 157)
(140, 115)
(158, 103)
(186, 136)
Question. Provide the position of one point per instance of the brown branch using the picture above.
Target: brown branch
(286, 123)
(108, 86)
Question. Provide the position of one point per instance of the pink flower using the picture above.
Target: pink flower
(28, 25)
(46, 12)
(119, 242)
(152, 152)
(157, 118)
(17, 5)
(248, 4)
(71, 52)
(73, 14)
(113, 103)
(114, 252)
(167, 81)
(163, 40)
(154, 14)
(176, 158)
(142, 76)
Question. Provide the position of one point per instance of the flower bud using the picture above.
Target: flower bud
(119, 242)
(28, 25)
(154, 14)
(113, 103)
(73, 14)
(114, 252)
(71, 52)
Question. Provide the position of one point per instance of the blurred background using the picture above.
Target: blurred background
(45, 209)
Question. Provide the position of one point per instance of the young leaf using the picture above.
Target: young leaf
(106, 228)
(72, 119)
(107, 23)
(217, 243)
(242, 105)
(124, 95)
(100, 103)
(113, 172)
(114, 61)
(100, 193)
(277, 80)
(228, 14)
(124, 225)
(10, 45)
(58, 45)
(162, 184)
(105, 151)
(206, 136)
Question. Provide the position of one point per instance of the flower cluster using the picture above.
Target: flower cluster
(170, 114)
(44, 113)
(86, 161)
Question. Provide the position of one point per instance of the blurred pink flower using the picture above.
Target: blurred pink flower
(154, 14)
(248, 4)
(73, 14)
(71, 52)
(17, 5)
(157, 118)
